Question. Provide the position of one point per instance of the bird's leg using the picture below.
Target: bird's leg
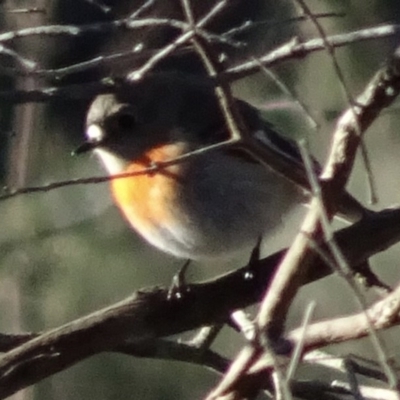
(178, 282)
(255, 254)
(239, 318)
(370, 280)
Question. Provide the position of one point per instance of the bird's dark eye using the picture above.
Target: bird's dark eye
(126, 121)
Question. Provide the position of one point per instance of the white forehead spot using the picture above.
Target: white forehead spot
(94, 132)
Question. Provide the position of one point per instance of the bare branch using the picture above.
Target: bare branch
(105, 9)
(295, 49)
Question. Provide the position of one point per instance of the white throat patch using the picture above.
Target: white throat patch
(111, 162)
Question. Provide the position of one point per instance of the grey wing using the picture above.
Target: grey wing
(349, 208)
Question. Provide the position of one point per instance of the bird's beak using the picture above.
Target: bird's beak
(84, 148)
(95, 135)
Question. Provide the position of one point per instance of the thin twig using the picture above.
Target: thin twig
(250, 25)
(144, 7)
(299, 348)
(26, 64)
(24, 10)
(102, 7)
(186, 36)
(295, 49)
(285, 89)
(100, 179)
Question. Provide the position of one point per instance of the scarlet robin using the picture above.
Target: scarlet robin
(210, 205)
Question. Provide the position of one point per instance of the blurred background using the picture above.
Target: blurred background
(68, 252)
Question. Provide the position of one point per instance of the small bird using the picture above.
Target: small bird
(208, 206)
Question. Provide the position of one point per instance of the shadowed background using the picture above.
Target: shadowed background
(68, 252)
